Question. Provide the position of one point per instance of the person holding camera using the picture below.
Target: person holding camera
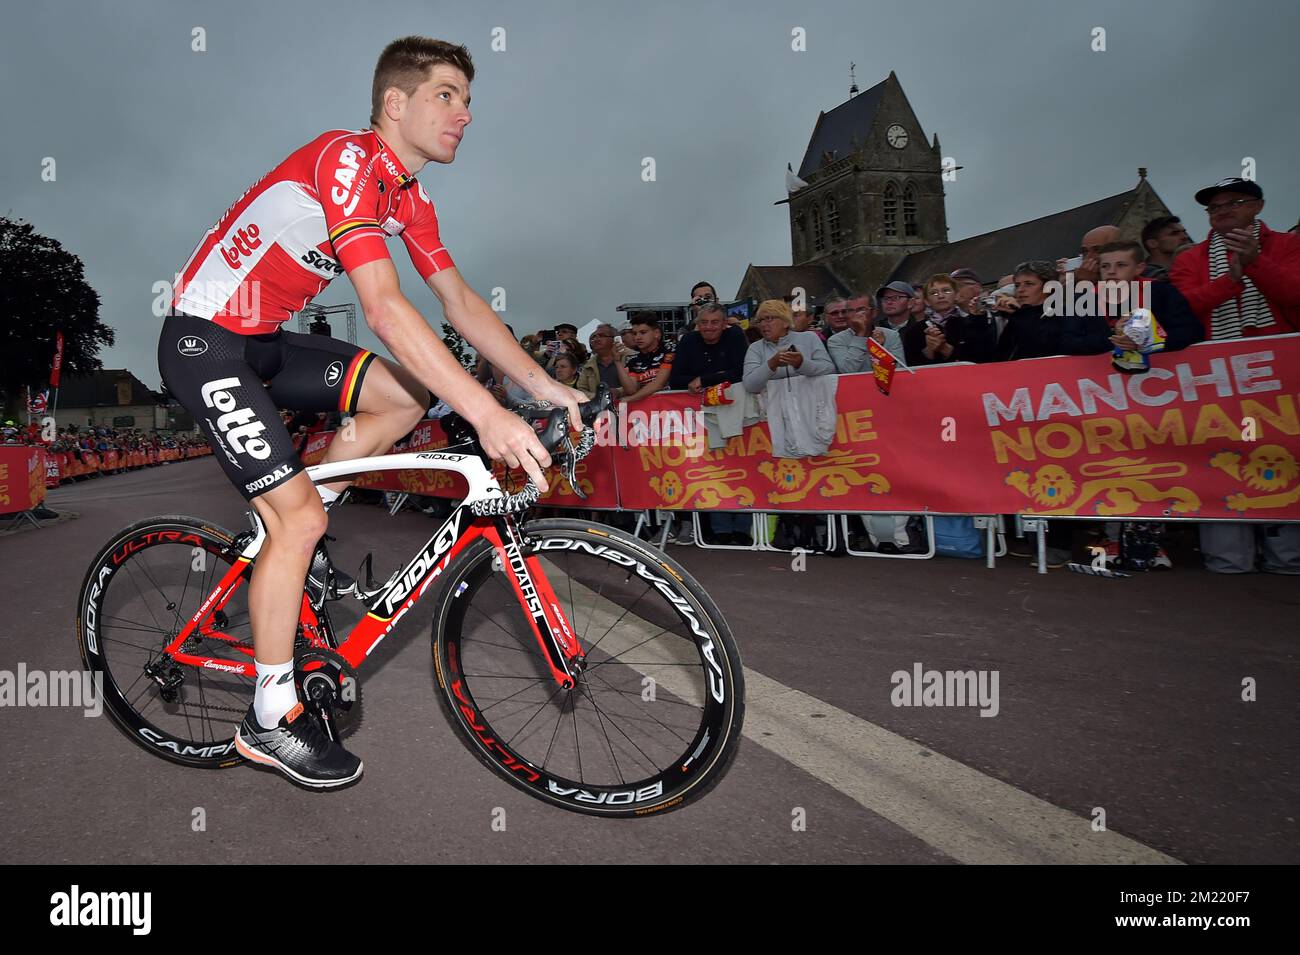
(942, 334)
(848, 348)
(782, 352)
(701, 294)
(602, 366)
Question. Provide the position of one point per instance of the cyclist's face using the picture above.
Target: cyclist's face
(437, 113)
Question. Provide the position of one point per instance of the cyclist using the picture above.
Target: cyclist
(328, 209)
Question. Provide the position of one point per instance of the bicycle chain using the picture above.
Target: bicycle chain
(522, 500)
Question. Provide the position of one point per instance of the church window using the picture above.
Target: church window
(890, 217)
(909, 211)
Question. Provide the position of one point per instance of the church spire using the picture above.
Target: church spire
(853, 83)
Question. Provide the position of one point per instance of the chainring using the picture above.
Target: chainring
(327, 682)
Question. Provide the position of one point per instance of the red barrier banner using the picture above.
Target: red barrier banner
(109, 461)
(53, 469)
(1209, 432)
(22, 478)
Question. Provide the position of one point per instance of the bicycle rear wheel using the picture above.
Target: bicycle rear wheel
(655, 717)
(141, 589)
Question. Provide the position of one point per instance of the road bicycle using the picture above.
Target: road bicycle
(576, 661)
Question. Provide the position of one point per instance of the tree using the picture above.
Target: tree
(43, 288)
(459, 347)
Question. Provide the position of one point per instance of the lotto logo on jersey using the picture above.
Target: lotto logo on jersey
(243, 243)
(345, 175)
(239, 425)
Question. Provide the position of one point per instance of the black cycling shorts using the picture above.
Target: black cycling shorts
(234, 386)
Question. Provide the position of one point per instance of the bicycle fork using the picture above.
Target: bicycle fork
(559, 644)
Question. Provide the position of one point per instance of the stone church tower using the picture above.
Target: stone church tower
(867, 207)
(874, 189)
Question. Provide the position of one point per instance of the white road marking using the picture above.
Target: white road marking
(958, 810)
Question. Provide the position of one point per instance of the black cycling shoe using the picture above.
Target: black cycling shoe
(321, 569)
(299, 748)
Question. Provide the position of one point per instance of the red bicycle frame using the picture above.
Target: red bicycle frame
(556, 639)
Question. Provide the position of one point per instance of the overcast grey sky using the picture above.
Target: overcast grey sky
(153, 141)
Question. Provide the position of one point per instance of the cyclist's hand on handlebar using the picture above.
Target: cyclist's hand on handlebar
(565, 397)
(508, 438)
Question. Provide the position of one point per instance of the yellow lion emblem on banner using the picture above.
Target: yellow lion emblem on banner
(1270, 467)
(705, 487)
(831, 474)
(1122, 484)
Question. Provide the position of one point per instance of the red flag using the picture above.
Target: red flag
(58, 359)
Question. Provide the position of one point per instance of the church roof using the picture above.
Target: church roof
(778, 281)
(99, 389)
(996, 253)
(835, 130)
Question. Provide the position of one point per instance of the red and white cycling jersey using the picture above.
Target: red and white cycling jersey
(326, 209)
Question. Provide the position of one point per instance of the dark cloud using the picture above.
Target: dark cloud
(153, 141)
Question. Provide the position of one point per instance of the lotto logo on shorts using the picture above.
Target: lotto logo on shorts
(239, 425)
(333, 373)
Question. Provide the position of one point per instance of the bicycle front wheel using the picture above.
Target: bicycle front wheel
(655, 716)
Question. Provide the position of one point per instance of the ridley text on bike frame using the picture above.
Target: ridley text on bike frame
(384, 608)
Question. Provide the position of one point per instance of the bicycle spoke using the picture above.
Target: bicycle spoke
(650, 762)
(136, 625)
(623, 746)
(601, 721)
(504, 699)
(649, 713)
(132, 645)
(143, 599)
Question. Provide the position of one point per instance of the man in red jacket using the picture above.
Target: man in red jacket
(1244, 279)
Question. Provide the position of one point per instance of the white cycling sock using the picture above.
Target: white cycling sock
(275, 694)
(327, 497)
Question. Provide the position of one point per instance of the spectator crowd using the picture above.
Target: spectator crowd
(1242, 280)
(97, 438)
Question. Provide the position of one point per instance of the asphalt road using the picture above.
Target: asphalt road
(1116, 695)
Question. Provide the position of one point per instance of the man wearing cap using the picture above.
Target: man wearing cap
(1244, 279)
(895, 303)
(1241, 282)
(982, 328)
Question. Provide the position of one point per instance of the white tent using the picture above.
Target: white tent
(584, 333)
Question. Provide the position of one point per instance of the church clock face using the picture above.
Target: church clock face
(896, 136)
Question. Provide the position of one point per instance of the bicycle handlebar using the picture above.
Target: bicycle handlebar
(554, 430)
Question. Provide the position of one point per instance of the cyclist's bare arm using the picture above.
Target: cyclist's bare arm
(482, 328)
(418, 349)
